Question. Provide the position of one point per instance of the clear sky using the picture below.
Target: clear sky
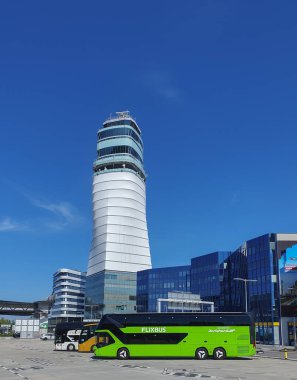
(213, 86)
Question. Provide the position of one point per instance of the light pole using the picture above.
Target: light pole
(245, 280)
(294, 320)
(294, 332)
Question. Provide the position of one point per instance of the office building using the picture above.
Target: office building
(120, 245)
(259, 277)
(68, 297)
(269, 264)
(157, 283)
(207, 273)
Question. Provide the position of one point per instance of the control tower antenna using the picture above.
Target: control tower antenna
(123, 114)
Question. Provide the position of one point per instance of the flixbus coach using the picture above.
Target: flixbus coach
(197, 335)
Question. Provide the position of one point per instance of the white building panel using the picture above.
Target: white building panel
(120, 221)
(119, 202)
(120, 238)
(117, 193)
(119, 211)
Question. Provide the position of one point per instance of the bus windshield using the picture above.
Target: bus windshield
(87, 332)
(87, 339)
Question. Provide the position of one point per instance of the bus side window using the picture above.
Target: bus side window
(104, 339)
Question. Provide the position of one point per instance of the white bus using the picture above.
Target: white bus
(67, 336)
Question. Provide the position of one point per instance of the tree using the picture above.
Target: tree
(5, 321)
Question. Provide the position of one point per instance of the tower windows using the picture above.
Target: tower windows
(118, 150)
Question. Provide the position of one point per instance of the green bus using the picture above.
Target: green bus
(196, 335)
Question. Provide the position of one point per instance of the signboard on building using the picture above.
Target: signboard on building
(288, 260)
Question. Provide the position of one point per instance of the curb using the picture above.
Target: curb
(274, 357)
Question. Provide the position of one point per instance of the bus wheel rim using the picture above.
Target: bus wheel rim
(123, 353)
(219, 354)
(201, 354)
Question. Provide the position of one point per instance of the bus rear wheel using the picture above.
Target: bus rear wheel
(219, 353)
(201, 353)
(70, 347)
(123, 353)
(92, 348)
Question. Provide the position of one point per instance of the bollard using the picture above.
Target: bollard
(286, 353)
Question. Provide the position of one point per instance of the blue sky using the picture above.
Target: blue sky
(212, 85)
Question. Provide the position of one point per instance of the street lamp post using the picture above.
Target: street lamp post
(294, 332)
(245, 280)
(294, 320)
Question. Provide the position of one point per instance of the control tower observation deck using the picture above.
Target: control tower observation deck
(120, 239)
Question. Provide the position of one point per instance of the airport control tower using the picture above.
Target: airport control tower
(120, 245)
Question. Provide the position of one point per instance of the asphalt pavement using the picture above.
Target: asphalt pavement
(33, 359)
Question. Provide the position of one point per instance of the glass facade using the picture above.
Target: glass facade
(268, 263)
(207, 273)
(262, 294)
(119, 153)
(156, 283)
(131, 123)
(110, 292)
(120, 149)
(232, 291)
(116, 132)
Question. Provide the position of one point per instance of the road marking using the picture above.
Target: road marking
(190, 373)
(195, 374)
(14, 371)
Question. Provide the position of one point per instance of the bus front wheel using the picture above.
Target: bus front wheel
(123, 353)
(70, 347)
(201, 353)
(219, 353)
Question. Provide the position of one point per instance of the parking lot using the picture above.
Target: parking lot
(33, 359)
